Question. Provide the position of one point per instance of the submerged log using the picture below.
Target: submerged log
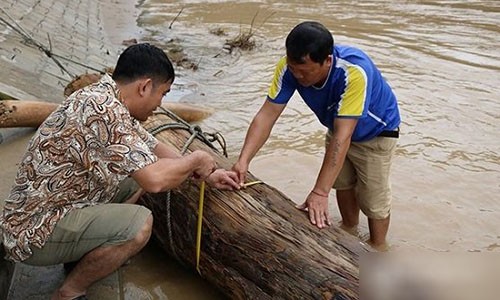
(255, 243)
(16, 113)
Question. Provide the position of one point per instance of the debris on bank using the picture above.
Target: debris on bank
(218, 31)
(243, 41)
(177, 55)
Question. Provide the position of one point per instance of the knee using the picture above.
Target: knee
(375, 204)
(142, 237)
(376, 213)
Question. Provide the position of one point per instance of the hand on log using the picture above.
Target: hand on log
(206, 165)
(241, 170)
(317, 207)
(224, 180)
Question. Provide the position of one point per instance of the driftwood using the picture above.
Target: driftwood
(16, 113)
(255, 243)
(81, 81)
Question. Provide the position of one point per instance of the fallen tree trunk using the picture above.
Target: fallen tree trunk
(14, 113)
(255, 243)
(17, 113)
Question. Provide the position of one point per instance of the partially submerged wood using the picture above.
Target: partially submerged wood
(188, 112)
(255, 243)
(17, 113)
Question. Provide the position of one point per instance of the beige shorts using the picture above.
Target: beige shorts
(85, 229)
(367, 168)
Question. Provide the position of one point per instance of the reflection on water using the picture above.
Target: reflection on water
(441, 58)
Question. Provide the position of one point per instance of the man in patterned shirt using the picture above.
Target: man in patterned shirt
(349, 96)
(60, 208)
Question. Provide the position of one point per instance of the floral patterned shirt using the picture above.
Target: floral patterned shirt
(76, 159)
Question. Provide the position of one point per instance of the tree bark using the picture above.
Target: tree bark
(14, 113)
(255, 243)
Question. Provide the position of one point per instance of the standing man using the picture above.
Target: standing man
(346, 91)
(60, 208)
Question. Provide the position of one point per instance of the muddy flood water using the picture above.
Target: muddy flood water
(440, 57)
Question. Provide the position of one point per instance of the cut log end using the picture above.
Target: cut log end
(5, 115)
(16, 113)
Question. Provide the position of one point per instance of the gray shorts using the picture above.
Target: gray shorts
(85, 229)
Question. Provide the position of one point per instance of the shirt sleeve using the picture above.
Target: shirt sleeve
(354, 99)
(282, 86)
(119, 145)
(147, 137)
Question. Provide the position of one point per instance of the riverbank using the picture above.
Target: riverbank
(45, 44)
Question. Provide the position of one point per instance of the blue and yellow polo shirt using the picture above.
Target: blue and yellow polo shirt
(354, 88)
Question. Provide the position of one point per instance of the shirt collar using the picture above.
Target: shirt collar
(107, 80)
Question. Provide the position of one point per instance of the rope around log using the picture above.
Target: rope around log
(195, 130)
(208, 139)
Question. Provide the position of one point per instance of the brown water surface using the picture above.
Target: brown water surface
(441, 58)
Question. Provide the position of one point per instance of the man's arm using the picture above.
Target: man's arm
(257, 135)
(220, 178)
(335, 154)
(317, 200)
(168, 173)
(162, 150)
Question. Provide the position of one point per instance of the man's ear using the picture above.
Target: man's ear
(329, 60)
(145, 86)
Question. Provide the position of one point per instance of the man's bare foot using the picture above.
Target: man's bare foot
(60, 295)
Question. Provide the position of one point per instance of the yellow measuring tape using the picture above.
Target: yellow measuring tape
(251, 183)
(200, 220)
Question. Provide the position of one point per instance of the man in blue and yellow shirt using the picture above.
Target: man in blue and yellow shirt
(348, 94)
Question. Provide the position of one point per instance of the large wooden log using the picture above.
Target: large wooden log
(255, 243)
(17, 113)
(14, 113)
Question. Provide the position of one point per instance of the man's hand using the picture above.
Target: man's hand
(241, 170)
(224, 180)
(205, 166)
(317, 206)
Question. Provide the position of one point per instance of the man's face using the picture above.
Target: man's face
(310, 73)
(150, 98)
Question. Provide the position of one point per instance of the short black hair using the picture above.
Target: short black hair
(143, 60)
(309, 38)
